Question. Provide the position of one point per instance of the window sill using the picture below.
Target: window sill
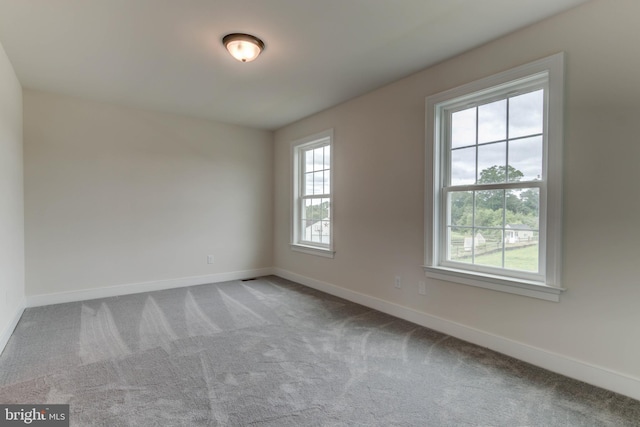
(497, 283)
(311, 250)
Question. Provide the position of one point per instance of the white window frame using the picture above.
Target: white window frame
(546, 284)
(297, 200)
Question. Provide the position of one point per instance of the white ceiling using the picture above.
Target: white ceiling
(167, 55)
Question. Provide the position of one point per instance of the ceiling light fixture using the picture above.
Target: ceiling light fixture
(243, 47)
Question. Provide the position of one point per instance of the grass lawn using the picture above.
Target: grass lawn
(525, 259)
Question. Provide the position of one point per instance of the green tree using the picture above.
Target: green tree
(490, 199)
(530, 200)
(317, 212)
(488, 218)
(521, 205)
(461, 208)
(495, 199)
(496, 174)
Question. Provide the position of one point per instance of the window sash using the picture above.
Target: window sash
(443, 240)
(302, 223)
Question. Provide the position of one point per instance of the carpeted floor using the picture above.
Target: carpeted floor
(270, 352)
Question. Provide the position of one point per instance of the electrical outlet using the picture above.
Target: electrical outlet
(422, 287)
(209, 259)
(398, 282)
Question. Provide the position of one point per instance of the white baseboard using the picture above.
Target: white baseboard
(564, 365)
(136, 288)
(8, 330)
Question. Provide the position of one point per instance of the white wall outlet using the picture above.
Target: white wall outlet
(209, 259)
(422, 287)
(398, 282)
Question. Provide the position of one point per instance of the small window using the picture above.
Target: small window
(494, 211)
(312, 225)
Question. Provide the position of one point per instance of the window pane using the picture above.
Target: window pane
(314, 217)
(463, 166)
(463, 128)
(318, 182)
(318, 159)
(308, 183)
(526, 114)
(327, 182)
(460, 243)
(489, 208)
(525, 156)
(326, 209)
(523, 208)
(317, 232)
(317, 227)
(492, 121)
(327, 157)
(523, 254)
(324, 238)
(306, 220)
(521, 230)
(314, 209)
(321, 209)
(488, 247)
(307, 211)
(492, 159)
(461, 208)
(308, 161)
(314, 232)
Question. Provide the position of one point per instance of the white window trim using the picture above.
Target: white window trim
(296, 146)
(548, 287)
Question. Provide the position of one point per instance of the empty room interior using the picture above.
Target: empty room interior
(336, 212)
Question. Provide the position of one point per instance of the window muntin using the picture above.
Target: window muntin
(313, 204)
(495, 149)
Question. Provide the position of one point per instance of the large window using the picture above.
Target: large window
(312, 230)
(495, 206)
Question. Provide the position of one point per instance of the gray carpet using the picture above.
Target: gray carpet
(270, 352)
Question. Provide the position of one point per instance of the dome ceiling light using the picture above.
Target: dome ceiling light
(243, 47)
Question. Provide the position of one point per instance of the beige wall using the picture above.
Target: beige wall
(379, 176)
(11, 198)
(117, 196)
